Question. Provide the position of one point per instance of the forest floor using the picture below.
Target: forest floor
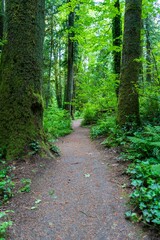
(78, 196)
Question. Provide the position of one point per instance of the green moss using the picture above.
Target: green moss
(20, 77)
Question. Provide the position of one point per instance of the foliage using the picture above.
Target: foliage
(143, 148)
(5, 223)
(90, 114)
(107, 127)
(55, 150)
(104, 126)
(6, 184)
(145, 173)
(150, 106)
(26, 182)
(56, 122)
(35, 147)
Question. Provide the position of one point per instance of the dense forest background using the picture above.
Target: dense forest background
(96, 60)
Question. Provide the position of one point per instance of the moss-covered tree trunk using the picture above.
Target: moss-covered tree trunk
(21, 108)
(128, 108)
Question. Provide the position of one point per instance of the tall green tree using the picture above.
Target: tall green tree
(116, 34)
(128, 108)
(70, 64)
(21, 76)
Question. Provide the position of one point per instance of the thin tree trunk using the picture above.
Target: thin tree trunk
(48, 95)
(148, 52)
(116, 34)
(59, 100)
(70, 74)
(56, 75)
(128, 107)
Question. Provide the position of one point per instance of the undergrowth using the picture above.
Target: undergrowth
(144, 151)
(141, 147)
(6, 187)
(5, 223)
(56, 122)
(6, 184)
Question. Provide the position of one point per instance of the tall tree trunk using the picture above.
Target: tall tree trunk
(59, 97)
(21, 109)
(56, 75)
(128, 108)
(1, 19)
(48, 94)
(148, 52)
(116, 34)
(70, 75)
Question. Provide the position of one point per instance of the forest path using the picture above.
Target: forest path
(80, 197)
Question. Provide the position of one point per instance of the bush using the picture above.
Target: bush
(104, 126)
(57, 122)
(6, 184)
(145, 173)
(150, 109)
(90, 114)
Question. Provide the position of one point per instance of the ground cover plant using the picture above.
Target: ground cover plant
(141, 148)
(144, 151)
(6, 192)
(57, 122)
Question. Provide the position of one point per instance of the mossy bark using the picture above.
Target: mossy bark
(21, 108)
(128, 107)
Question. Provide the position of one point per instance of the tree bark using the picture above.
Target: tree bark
(21, 108)
(70, 74)
(128, 107)
(1, 19)
(116, 34)
(148, 52)
(48, 95)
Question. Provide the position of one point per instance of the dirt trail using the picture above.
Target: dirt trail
(79, 200)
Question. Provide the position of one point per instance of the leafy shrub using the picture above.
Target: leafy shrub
(78, 115)
(6, 184)
(145, 173)
(90, 114)
(55, 149)
(5, 223)
(150, 107)
(56, 122)
(35, 147)
(26, 185)
(104, 126)
(145, 143)
(117, 137)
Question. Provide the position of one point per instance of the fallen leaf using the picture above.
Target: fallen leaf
(38, 201)
(34, 208)
(87, 175)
